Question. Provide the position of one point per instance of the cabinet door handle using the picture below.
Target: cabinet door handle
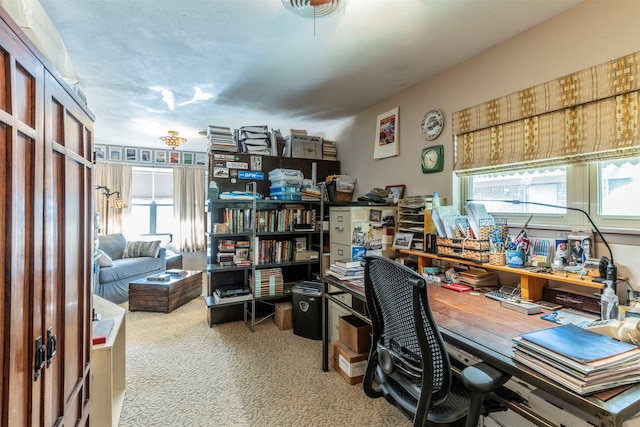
(339, 228)
(52, 345)
(39, 358)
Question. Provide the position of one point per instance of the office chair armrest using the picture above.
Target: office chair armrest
(483, 378)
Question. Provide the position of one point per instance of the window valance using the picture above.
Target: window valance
(589, 115)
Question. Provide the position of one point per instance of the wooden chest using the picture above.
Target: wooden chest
(145, 295)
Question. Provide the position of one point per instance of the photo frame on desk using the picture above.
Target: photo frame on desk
(402, 240)
(396, 191)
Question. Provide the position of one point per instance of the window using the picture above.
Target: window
(151, 202)
(605, 189)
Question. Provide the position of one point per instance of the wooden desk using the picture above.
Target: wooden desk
(481, 327)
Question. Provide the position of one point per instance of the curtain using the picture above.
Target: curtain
(585, 116)
(188, 208)
(116, 177)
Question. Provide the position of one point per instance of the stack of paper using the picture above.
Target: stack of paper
(267, 282)
(583, 361)
(329, 151)
(221, 139)
(254, 140)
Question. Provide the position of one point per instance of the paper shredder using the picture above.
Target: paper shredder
(307, 309)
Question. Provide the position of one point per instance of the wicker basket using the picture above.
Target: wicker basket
(497, 258)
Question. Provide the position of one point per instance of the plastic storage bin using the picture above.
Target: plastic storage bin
(286, 174)
(307, 309)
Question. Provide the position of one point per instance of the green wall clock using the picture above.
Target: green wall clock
(433, 159)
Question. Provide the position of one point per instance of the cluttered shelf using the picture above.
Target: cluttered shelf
(531, 281)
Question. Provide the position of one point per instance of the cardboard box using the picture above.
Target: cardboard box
(349, 364)
(283, 315)
(355, 333)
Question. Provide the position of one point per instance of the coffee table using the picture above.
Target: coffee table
(147, 295)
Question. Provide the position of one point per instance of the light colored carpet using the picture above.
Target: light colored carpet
(181, 372)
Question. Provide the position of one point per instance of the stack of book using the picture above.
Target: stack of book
(241, 257)
(478, 278)
(347, 270)
(221, 139)
(267, 282)
(583, 361)
(329, 151)
(226, 253)
(159, 277)
(176, 272)
(231, 294)
(254, 140)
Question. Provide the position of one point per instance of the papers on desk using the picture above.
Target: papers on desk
(581, 360)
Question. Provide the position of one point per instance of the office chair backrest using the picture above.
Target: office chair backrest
(403, 326)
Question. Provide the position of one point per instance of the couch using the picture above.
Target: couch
(119, 262)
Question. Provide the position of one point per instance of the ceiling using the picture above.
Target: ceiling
(148, 66)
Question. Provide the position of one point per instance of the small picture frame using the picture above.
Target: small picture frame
(174, 157)
(146, 155)
(201, 159)
(100, 152)
(160, 157)
(187, 159)
(130, 155)
(396, 191)
(115, 154)
(402, 240)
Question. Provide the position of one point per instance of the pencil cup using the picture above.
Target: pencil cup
(515, 258)
(497, 258)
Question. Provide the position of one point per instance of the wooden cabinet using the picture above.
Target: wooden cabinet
(108, 367)
(45, 249)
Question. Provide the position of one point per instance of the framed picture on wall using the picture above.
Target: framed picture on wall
(145, 155)
(160, 157)
(402, 240)
(387, 139)
(201, 159)
(174, 157)
(115, 154)
(187, 159)
(100, 152)
(130, 154)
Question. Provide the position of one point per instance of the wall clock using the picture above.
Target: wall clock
(431, 124)
(433, 159)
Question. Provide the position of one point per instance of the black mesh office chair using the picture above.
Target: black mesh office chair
(408, 363)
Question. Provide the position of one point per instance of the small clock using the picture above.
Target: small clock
(431, 124)
(433, 159)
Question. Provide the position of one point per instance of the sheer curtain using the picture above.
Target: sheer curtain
(188, 208)
(116, 177)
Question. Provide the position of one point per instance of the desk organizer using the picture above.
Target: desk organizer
(471, 249)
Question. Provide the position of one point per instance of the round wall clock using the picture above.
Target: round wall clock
(431, 124)
(433, 159)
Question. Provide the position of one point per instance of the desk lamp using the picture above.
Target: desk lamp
(611, 270)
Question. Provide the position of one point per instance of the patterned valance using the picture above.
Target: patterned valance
(589, 115)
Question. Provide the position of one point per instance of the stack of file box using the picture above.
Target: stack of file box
(286, 184)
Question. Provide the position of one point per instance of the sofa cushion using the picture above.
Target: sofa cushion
(128, 267)
(113, 245)
(103, 258)
(139, 248)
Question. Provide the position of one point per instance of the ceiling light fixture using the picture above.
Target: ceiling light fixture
(313, 8)
(173, 140)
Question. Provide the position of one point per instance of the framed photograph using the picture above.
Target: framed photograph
(387, 138)
(402, 240)
(160, 157)
(187, 159)
(396, 191)
(130, 154)
(115, 154)
(201, 159)
(100, 152)
(174, 157)
(145, 155)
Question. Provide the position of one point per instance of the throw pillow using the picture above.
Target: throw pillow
(136, 249)
(103, 259)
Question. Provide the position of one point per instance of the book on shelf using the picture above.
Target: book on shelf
(176, 272)
(231, 291)
(159, 277)
(347, 263)
(232, 299)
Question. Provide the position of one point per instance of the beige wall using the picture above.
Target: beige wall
(593, 32)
